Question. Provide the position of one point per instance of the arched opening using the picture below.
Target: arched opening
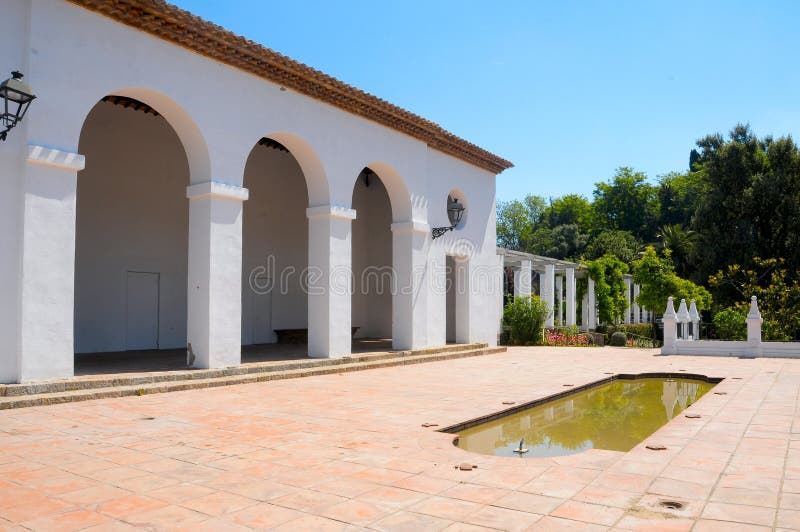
(131, 242)
(274, 249)
(373, 276)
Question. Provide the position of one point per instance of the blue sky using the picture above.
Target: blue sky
(566, 90)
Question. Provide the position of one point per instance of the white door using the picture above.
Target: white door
(262, 315)
(141, 319)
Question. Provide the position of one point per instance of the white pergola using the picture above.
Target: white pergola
(557, 286)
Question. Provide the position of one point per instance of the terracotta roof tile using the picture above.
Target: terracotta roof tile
(181, 27)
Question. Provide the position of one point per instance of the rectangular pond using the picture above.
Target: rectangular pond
(613, 414)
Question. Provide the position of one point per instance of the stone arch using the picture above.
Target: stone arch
(399, 196)
(311, 165)
(185, 127)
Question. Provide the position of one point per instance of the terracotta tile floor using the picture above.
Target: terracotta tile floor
(348, 452)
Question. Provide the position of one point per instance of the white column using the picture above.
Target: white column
(683, 320)
(670, 330)
(47, 262)
(754, 322)
(585, 312)
(549, 292)
(410, 315)
(501, 292)
(592, 306)
(523, 281)
(628, 300)
(214, 325)
(570, 282)
(636, 315)
(329, 281)
(560, 300)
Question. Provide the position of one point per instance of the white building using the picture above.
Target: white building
(174, 184)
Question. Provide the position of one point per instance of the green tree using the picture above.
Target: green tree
(572, 209)
(622, 244)
(608, 274)
(678, 195)
(627, 203)
(566, 242)
(519, 221)
(658, 281)
(777, 289)
(681, 244)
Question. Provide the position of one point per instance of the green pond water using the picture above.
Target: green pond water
(615, 416)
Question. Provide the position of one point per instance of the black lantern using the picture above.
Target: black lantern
(16, 97)
(455, 211)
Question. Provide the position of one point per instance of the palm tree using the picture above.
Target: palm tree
(680, 242)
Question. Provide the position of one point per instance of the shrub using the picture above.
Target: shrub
(730, 324)
(618, 339)
(525, 316)
(566, 336)
(638, 329)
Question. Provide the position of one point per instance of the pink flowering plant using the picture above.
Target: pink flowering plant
(566, 336)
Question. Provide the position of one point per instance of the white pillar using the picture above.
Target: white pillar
(214, 328)
(670, 330)
(585, 312)
(410, 316)
(560, 300)
(592, 304)
(570, 282)
(694, 316)
(501, 292)
(754, 322)
(523, 281)
(627, 300)
(636, 314)
(683, 321)
(330, 284)
(47, 264)
(549, 289)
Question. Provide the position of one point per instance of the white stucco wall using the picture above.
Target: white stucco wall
(218, 113)
(13, 55)
(132, 215)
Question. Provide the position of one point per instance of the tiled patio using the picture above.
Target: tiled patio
(346, 452)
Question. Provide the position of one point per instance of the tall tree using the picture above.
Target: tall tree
(627, 203)
(621, 244)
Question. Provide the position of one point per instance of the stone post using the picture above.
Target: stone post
(694, 316)
(214, 298)
(570, 282)
(330, 284)
(683, 321)
(670, 330)
(754, 322)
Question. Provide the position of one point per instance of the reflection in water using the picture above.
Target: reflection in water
(614, 416)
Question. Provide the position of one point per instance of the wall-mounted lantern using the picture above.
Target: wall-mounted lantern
(16, 97)
(455, 211)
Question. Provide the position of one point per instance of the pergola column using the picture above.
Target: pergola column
(410, 242)
(570, 282)
(47, 264)
(559, 315)
(214, 301)
(523, 281)
(592, 304)
(548, 292)
(330, 284)
(627, 300)
(636, 313)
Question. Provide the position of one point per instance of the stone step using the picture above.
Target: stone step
(348, 365)
(106, 381)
